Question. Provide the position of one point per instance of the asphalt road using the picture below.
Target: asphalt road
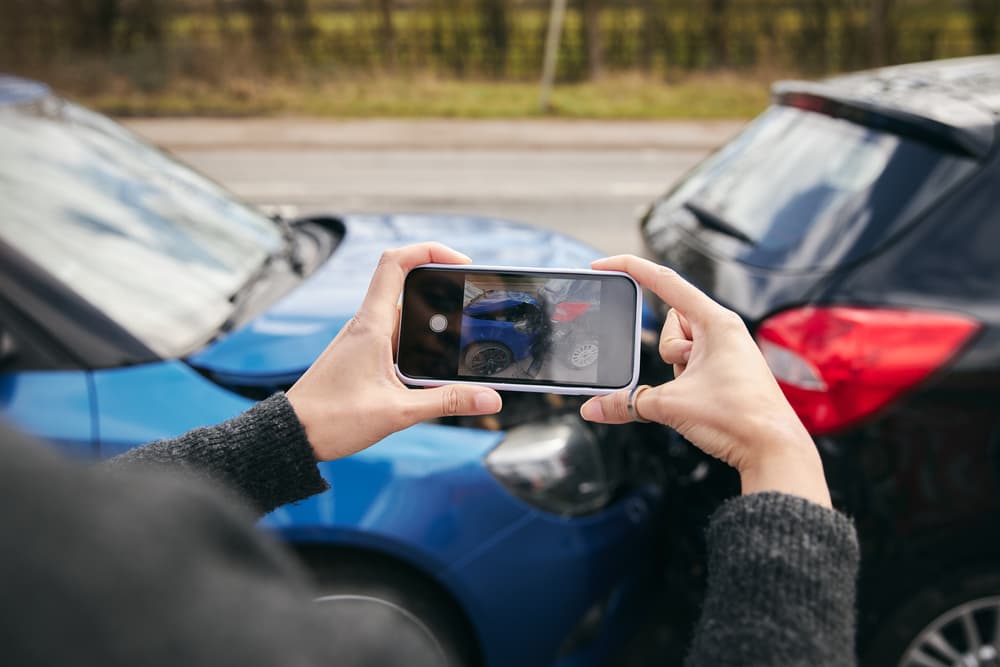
(589, 180)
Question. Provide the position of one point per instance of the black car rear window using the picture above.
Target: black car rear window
(798, 190)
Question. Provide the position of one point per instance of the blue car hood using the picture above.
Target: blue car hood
(276, 347)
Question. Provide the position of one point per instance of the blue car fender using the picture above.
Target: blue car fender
(421, 495)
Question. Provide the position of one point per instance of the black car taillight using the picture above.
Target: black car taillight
(838, 365)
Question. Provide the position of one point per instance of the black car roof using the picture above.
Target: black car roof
(976, 80)
(957, 99)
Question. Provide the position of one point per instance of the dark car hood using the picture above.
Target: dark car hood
(275, 347)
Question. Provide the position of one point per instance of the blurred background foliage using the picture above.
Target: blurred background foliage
(393, 57)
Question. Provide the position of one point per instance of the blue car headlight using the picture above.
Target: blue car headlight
(554, 465)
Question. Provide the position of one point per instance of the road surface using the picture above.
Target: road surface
(589, 180)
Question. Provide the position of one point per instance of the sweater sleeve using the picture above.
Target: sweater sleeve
(263, 454)
(781, 586)
(156, 569)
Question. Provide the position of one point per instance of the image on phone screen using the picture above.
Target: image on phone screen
(519, 328)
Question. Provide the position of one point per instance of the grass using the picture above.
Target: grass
(204, 66)
(715, 96)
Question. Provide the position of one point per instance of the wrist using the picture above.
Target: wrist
(303, 414)
(792, 473)
(784, 459)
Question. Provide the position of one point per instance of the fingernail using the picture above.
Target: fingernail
(487, 402)
(686, 355)
(592, 411)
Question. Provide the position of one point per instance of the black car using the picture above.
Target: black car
(855, 225)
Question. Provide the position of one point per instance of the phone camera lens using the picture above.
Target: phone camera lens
(438, 323)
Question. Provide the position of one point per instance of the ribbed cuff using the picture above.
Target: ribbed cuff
(781, 584)
(275, 461)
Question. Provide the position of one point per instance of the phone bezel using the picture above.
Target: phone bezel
(574, 390)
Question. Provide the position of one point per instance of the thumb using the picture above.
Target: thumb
(453, 400)
(607, 409)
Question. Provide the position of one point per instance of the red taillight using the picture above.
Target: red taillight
(838, 365)
(567, 311)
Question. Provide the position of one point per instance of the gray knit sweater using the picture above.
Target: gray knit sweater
(781, 583)
(139, 568)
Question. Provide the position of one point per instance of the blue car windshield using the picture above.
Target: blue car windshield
(155, 246)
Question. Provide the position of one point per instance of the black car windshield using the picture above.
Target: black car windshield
(799, 190)
(157, 247)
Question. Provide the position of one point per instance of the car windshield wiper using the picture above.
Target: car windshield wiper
(241, 296)
(713, 221)
(291, 253)
(288, 253)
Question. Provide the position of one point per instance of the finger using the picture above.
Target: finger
(685, 325)
(379, 307)
(675, 342)
(676, 326)
(453, 400)
(665, 283)
(395, 331)
(607, 409)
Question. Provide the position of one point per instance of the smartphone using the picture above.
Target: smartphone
(544, 330)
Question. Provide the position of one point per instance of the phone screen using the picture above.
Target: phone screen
(518, 327)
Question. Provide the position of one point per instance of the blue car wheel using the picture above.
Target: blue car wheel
(379, 599)
(487, 357)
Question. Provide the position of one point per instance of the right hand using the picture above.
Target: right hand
(723, 398)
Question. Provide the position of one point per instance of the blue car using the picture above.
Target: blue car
(141, 300)
(500, 327)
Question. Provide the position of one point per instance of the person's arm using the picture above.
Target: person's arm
(153, 568)
(263, 454)
(121, 565)
(349, 399)
(781, 586)
(782, 563)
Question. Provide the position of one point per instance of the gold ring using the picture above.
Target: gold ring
(633, 397)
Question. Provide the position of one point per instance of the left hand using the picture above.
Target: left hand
(350, 398)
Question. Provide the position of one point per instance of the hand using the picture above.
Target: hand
(723, 398)
(350, 398)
